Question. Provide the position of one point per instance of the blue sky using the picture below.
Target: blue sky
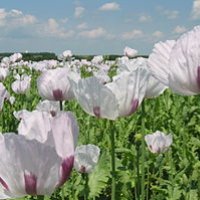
(93, 26)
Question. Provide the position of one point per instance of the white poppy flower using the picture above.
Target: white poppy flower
(21, 114)
(177, 64)
(12, 100)
(15, 57)
(60, 132)
(52, 107)
(129, 89)
(158, 142)
(4, 72)
(54, 85)
(184, 62)
(32, 168)
(86, 158)
(22, 84)
(154, 86)
(38, 125)
(102, 76)
(118, 98)
(67, 54)
(97, 60)
(129, 52)
(158, 60)
(5, 62)
(95, 98)
(4, 95)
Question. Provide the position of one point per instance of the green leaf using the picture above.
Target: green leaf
(99, 177)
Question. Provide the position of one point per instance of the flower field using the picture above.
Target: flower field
(144, 134)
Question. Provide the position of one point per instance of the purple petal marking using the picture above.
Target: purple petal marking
(66, 168)
(58, 95)
(4, 184)
(82, 169)
(198, 76)
(53, 113)
(30, 183)
(134, 106)
(97, 111)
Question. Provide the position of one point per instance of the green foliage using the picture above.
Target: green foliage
(99, 177)
(33, 56)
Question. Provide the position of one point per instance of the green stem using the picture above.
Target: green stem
(113, 170)
(40, 197)
(137, 187)
(88, 129)
(143, 153)
(171, 176)
(63, 191)
(160, 166)
(61, 106)
(148, 184)
(85, 177)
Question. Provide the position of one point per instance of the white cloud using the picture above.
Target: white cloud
(196, 9)
(15, 18)
(112, 6)
(3, 13)
(179, 29)
(16, 24)
(79, 11)
(136, 33)
(82, 26)
(170, 14)
(53, 29)
(94, 33)
(157, 34)
(145, 18)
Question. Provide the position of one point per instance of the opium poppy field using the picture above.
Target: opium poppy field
(122, 129)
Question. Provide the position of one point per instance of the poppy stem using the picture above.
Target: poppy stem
(85, 177)
(171, 174)
(113, 169)
(40, 197)
(63, 191)
(61, 106)
(137, 187)
(143, 153)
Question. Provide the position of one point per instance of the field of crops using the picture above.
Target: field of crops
(37, 158)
